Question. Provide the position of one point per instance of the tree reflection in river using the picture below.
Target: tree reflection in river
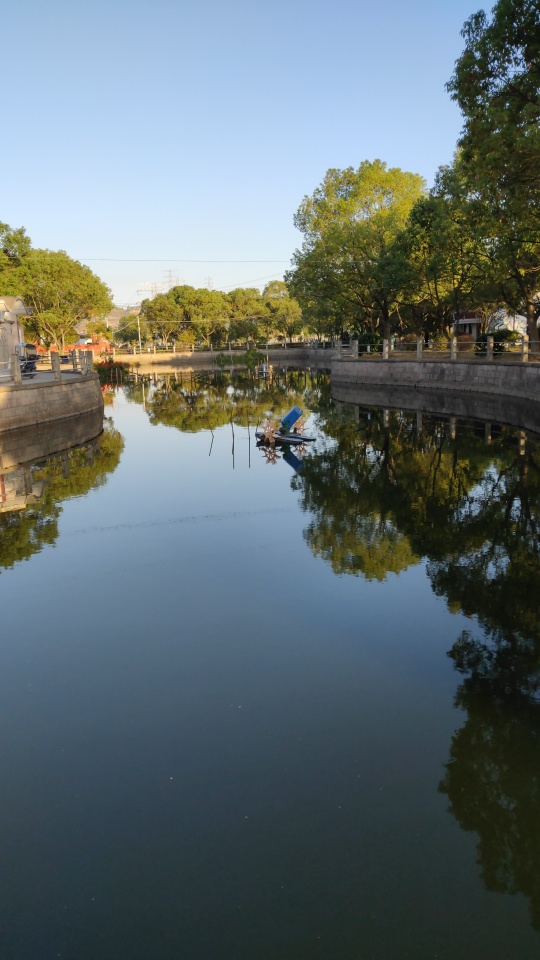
(390, 490)
(30, 521)
(206, 400)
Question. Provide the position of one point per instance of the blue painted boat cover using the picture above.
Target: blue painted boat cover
(291, 417)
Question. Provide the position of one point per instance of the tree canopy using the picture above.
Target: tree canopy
(58, 290)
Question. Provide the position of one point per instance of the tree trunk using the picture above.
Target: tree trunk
(532, 328)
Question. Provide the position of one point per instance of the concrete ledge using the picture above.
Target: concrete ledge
(494, 378)
(45, 400)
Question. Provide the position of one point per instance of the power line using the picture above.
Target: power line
(46, 255)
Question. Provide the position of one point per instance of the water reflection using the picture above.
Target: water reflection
(31, 492)
(193, 401)
(395, 487)
(491, 778)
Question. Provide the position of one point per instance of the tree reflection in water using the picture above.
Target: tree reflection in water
(386, 489)
(30, 522)
(386, 493)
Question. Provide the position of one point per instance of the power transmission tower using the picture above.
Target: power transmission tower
(172, 279)
(151, 287)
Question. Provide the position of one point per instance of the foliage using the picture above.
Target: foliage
(206, 312)
(249, 359)
(59, 292)
(106, 368)
(502, 340)
(163, 317)
(497, 86)
(26, 532)
(346, 264)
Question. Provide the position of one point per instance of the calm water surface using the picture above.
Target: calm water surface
(265, 707)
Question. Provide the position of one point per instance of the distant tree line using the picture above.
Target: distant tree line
(381, 253)
(190, 315)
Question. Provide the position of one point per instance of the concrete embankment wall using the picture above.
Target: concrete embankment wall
(496, 378)
(28, 444)
(513, 411)
(41, 401)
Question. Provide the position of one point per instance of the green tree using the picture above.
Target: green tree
(247, 312)
(284, 312)
(59, 292)
(203, 311)
(163, 317)
(15, 245)
(446, 265)
(497, 86)
(349, 225)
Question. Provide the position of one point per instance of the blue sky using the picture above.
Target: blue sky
(169, 132)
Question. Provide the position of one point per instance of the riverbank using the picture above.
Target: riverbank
(204, 360)
(491, 377)
(45, 399)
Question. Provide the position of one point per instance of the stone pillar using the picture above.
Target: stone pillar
(73, 358)
(15, 364)
(55, 364)
(453, 348)
(28, 482)
(385, 349)
(453, 425)
(489, 348)
(525, 349)
(354, 345)
(419, 345)
(419, 423)
(386, 417)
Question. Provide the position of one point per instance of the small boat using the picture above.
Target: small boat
(286, 435)
(283, 439)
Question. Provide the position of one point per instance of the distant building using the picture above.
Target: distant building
(115, 319)
(11, 330)
(473, 323)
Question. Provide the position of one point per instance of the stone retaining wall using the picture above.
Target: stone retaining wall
(492, 377)
(28, 444)
(39, 401)
(512, 411)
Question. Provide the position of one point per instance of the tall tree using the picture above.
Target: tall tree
(349, 224)
(497, 86)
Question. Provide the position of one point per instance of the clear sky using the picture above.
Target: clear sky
(183, 134)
